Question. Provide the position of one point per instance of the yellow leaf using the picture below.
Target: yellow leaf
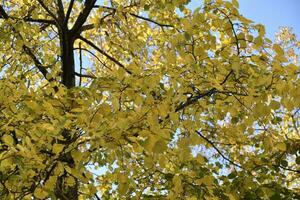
(187, 25)
(77, 155)
(5, 163)
(200, 159)
(40, 193)
(48, 126)
(150, 142)
(50, 183)
(177, 183)
(235, 3)
(74, 172)
(123, 124)
(31, 104)
(122, 188)
(159, 146)
(171, 57)
(59, 169)
(70, 181)
(7, 139)
(281, 146)
(57, 148)
(77, 110)
(163, 110)
(199, 51)
(123, 184)
(174, 117)
(278, 49)
(206, 180)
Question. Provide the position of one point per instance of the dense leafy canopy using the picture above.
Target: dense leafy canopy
(145, 99)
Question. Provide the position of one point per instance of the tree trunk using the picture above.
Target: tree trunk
(62, 191)
(67, 59)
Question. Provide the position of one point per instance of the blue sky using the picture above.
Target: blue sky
(271, 13)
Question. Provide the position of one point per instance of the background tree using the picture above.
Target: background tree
(171, 103)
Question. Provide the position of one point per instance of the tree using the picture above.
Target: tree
(145, 100)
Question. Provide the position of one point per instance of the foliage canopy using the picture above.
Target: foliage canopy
(145, 99)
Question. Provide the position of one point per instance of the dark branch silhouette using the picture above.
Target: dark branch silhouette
(104, 53)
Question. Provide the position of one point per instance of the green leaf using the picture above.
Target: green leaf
(232, 175)
(298, 160)
(284, 163)
(146, 7)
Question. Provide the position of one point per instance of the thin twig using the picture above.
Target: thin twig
(224, 81)
(150, 20)
(80, 63)
(97, 197)
(85, 75)
(84, 49)
(48, 11)
(288, 169)
(233, 30)
(219, 152)
(137, 16)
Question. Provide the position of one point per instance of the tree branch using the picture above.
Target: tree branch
(27, 50)
(37, 63)
(90, 52)
(86, 27)
(288, 169)
(233, 30)
(224, 81)
(137, 16)
(219, 152)
(26, 19)
(61, 13)
(91, 26)
(69, 12)
(89, 4)
(150, 20)
(105, 54)
(97, 197)
(85, 75)
(3, 13)
(48, 11)
(29, 19)
(80, 63)
(194, 99)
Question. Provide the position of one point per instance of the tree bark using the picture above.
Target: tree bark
(62, 191)
(67, 59)
(67, 37)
